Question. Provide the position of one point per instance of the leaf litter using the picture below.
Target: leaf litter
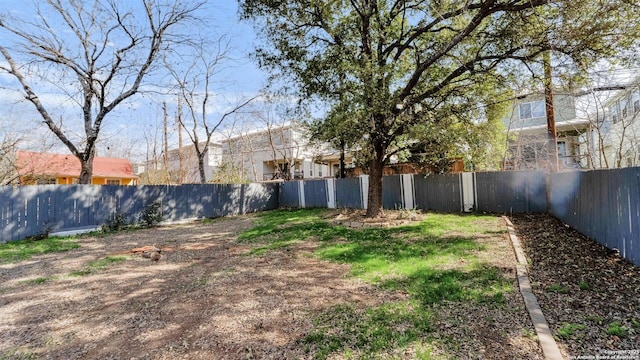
(588, 293)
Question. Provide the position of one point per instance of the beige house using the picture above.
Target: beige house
(526, 126)
(270, 153)
(273, 153)
(614, 137)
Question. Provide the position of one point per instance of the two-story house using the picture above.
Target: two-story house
(183, 163)
(526, 126)
(614, 137)
(273, 153)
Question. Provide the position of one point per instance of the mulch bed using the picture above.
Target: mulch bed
(582, 283)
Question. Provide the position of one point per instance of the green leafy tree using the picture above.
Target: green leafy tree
(394, 66)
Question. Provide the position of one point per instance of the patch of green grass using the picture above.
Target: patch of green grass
(424, 352)
(595, 319)
(583, 285)
(434, 261)
(530, 333)
(82, 272)
(106, 261)
(16, 251)
(432, 286)
(282, 228)
(37, 281)
(99, 264)
(369, 331)
(557, 288)
(567, 330)
(616, 329)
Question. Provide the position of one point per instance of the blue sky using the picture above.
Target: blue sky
(124, 130)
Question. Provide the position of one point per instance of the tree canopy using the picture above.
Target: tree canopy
(392, 67)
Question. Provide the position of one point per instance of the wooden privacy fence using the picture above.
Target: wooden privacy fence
(32, 210)
(499, 192)
(601, 204)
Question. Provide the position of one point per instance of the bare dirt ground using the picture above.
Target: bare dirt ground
(205, 299)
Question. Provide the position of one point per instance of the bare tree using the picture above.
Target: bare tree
(94, 54)
(8, 169)
(613, 111)
(280, 138)
(154, 172)
(195, 86)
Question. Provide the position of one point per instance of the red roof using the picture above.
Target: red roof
(34, 163)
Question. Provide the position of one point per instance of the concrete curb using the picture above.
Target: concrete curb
(547, 342)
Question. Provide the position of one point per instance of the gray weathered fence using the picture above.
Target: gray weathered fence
(32, 210)
(350, 193)
(603, 205)
(511, 192)
(499, 192)
(438, 192)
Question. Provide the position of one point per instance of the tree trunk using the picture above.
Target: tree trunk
(203, 178)
(376, 164)
(342, 167)
(86, 166)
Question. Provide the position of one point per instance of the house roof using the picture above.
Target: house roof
(287, 125)
(34, 163)
(573, 124)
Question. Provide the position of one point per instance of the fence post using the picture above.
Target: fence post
(468, 191)
(364, 190)
(331, 193)
(408, 191)
(301, 193)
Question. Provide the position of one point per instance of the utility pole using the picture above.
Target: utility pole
(180, 160)
(552, 137)
(166, 143)
(342, 167)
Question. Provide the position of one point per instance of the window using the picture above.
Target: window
(635, 101)
(562, 149)
(614, 112)
(46, 181)
(624, 107)
(113, 181)
(532, 110)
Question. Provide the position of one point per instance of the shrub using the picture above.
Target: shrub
(116, 223)
(152, 214)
